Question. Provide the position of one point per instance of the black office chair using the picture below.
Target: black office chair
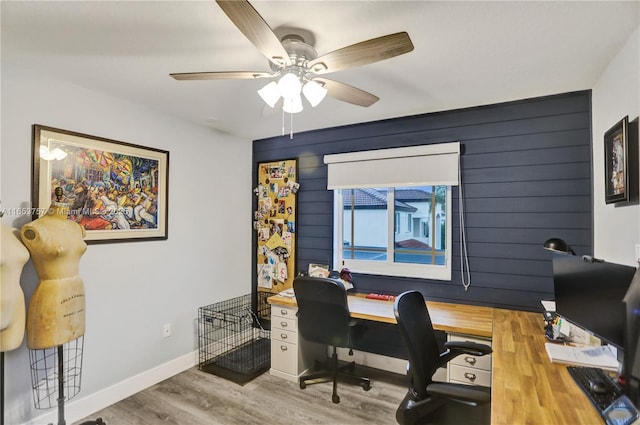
(428, 401)
(323, 317)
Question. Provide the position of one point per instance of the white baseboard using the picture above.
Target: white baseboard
(78, 409)
(390, 364)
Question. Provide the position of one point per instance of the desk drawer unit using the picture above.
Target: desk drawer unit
(468, 369)
(290, 355)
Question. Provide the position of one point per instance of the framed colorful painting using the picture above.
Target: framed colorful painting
(117, 191)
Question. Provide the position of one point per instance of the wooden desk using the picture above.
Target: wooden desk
(527, 389)
(454, 318)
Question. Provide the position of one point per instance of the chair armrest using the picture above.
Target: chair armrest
(455, 348)
(461, 393)
(468, 347)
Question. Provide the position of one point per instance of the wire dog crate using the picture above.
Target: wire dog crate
(232, 342)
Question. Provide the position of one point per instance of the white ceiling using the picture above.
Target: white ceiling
(466, 53)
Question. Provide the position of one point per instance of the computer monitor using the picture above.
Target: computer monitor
(631, 362)
(590, 292)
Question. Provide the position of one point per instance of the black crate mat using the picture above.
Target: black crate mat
(243, 363)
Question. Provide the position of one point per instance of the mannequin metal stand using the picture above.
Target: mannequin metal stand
(61, 397)
(2, 388)
(61, 420)
(56, 375)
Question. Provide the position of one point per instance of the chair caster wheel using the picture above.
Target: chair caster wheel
(366, 386)
(335, 398)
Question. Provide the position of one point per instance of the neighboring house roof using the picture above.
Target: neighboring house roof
(412, 244)
(408, 195)
(377, 199)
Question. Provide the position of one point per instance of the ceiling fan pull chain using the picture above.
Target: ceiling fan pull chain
(283, 122)
(291, 127)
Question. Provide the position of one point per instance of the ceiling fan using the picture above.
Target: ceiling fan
(297, 65)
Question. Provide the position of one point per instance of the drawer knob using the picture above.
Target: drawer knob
(283, 347)
(283, 336)
(283, 324)
(470, 360)
(283, 312)
(470, 376)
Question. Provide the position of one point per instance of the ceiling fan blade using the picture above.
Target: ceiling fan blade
(347, 93)
(363, 53)
(230, 75)
(254, 27)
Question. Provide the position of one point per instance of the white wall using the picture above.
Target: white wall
(132, 289)
(616, 94)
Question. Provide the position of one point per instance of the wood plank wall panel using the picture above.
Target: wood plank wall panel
(526, 172)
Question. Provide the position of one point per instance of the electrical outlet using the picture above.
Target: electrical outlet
(166, 330)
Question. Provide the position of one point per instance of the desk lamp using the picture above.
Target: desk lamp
(559, 245)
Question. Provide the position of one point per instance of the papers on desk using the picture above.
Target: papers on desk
(601, 357)
(548, 305)
(287, 293)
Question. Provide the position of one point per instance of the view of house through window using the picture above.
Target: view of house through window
(402, 225)
(423, 209)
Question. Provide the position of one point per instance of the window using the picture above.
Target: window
(393, 210)
(373, 241)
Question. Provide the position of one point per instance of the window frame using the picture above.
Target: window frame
(390, 267)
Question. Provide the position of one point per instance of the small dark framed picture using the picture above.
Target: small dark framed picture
(616, 159)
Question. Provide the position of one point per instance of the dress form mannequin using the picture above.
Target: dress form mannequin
(56, 315)
(56, 312)
(13, 256)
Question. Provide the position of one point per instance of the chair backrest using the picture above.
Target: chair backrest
(419, 338)
(323, 311)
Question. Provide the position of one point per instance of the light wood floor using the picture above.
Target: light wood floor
(194, 397)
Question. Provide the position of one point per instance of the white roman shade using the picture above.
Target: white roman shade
(428, 165)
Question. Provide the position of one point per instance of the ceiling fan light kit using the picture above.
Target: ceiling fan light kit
(314, 93)
(288, 88)
(289, 85)
(297, 64)
(270, 94)
(292, 105)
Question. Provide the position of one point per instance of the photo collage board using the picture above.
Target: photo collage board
(275, 224)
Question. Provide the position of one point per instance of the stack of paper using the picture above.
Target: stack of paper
(601, 357)
(287, 293)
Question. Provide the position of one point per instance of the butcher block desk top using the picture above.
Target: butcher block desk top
(455, 318)
(527, 389)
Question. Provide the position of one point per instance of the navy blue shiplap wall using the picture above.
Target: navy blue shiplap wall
(526, 177)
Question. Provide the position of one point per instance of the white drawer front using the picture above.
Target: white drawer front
(283, 335)
(284, 357)
(465, 360)
(287, 324)
(471, 376)
(476, 362)
(279, 311)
